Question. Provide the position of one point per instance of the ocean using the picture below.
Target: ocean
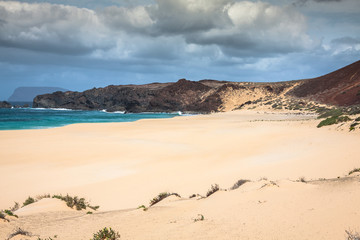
(39, 118)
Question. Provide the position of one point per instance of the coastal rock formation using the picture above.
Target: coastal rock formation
(341, 88)
(187, 96)
(5, 104)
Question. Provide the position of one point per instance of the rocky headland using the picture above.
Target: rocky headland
(341, 88)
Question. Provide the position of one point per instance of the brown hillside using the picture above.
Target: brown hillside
(341, 87)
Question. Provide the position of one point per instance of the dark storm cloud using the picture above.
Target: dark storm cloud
(346, 40)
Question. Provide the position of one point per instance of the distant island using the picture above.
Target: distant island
(27, 94)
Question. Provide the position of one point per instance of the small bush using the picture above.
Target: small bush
(192, 195)
(93, 207)
(302, 179)
(143, 207)
(214, 188)
(106, 234)
(28, 201)
(357, 119)
(89, 212)
(354, 170)
(162, 196)
(239, 183)
(200, 217)
(352, 235)
(10, 213)
(19, 231)
(352, 126)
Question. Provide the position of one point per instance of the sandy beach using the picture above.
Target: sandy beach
(121, 166)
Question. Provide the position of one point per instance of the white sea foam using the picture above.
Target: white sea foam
(54, 109)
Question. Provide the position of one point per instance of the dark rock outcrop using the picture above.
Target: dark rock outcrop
(5, 104)
(184, 95)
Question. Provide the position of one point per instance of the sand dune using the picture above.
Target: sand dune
(120, 166)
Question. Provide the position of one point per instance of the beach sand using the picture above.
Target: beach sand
(121, 166)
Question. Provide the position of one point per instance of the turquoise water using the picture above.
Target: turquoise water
(32, 118)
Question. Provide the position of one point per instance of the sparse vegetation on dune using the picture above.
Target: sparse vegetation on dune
(19, 231)
(302, 179)
(78, 203)
(333, 120)
(354, 170)
(162, 196)
(239, 183)
(214, 188)
(28, 201)
(10, 213)
(71, 202)
(352, 235)
(106, 234)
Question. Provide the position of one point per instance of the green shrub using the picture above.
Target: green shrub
(331, 113)
(89, 212)
(214, 188)
(143, 207)
(239, 183)
(357, 119)
(352, 126)
(106, 234)
(333, 120)
(28, 201)
(10, 213)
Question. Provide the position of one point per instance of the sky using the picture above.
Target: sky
(81, 44)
